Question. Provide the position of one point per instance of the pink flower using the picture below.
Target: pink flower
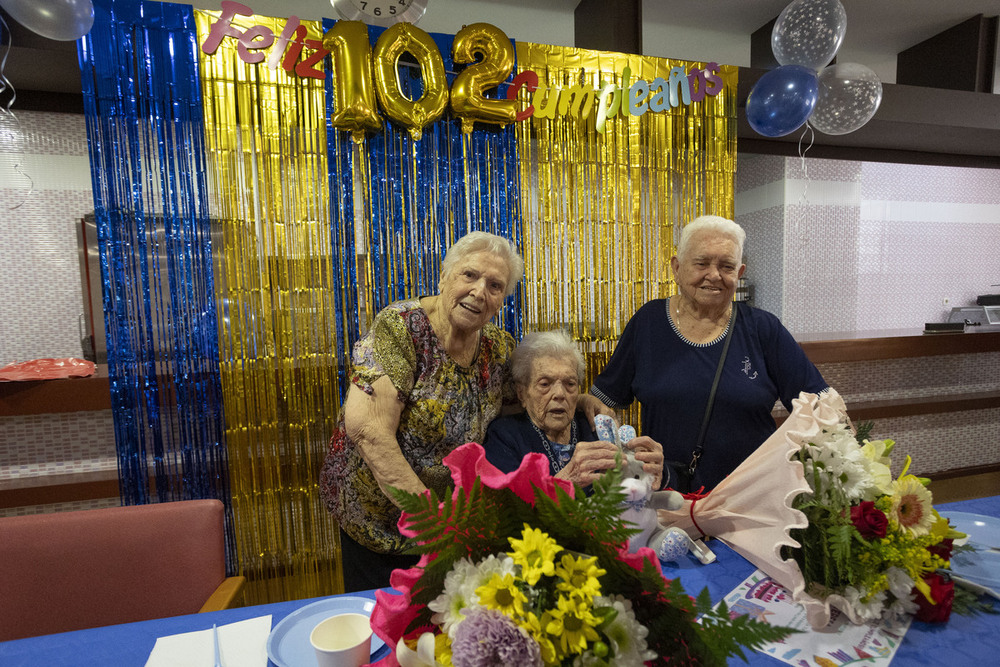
(469, 462)
(393, 613)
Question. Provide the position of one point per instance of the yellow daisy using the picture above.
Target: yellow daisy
(572, 623)
(579, 575)
(442, 649)
(533, 626)
(501, 593)
(535, 552)
(911, 506)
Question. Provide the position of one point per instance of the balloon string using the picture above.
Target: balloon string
(804, 197)
(6, 109)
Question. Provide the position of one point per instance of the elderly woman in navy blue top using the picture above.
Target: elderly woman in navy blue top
(548, 369)
(669, 352)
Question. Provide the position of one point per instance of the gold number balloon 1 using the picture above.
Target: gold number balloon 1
(353, 94)
(411, 114)
(467, 99)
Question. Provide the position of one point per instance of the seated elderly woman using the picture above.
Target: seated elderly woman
(548, 370)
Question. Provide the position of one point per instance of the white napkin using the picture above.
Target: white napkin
(241, 644)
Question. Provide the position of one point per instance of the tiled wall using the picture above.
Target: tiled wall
(867, 246)
(45, 189)
(57, 444)
(864, 246)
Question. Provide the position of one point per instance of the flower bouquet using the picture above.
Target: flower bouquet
(524, 569)
(831, 524)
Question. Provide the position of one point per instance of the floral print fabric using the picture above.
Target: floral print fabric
(444, 406)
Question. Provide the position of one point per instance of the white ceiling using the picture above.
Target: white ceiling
(696, 30)
(688, 29)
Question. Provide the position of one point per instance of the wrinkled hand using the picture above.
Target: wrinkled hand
(590, 460)
(592, 406)
(650, 453)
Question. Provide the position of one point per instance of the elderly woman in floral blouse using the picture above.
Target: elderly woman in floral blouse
(429, 376)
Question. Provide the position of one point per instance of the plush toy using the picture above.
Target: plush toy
(640, 505)
(641, 501)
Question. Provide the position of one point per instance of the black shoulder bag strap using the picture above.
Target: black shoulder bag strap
(700, 445)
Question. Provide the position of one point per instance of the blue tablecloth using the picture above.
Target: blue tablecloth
(964, 640)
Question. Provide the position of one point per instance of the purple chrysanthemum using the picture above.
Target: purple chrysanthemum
(487, 638)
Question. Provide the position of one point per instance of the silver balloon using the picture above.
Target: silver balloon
(849, 95)
(63, 20)
(809, 33)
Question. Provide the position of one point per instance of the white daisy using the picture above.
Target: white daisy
(626, 635)
(868, 611)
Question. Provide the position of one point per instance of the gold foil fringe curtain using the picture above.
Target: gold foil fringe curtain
(266, 141)
(601, 211)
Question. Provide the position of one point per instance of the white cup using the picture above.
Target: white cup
(343, 640)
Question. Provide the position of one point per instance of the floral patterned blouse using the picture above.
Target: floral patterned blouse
(444, 405)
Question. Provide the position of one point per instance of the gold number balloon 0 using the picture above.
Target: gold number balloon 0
(353, 94)
(467, 98)
(411, 114)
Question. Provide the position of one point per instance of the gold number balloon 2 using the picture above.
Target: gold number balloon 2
(353, 94)
(411, 114)
(467, 99)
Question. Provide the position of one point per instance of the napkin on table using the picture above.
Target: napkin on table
(241, 644)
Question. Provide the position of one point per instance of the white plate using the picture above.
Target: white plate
(288, 644)
(983, 530)
(980, 567)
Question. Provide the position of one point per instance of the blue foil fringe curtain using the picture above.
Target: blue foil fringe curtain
(143, 109)
(420, 197)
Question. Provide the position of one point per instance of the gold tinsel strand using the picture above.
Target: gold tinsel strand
(266, 142)
(600, 211)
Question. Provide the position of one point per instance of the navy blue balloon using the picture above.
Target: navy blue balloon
(782, 100)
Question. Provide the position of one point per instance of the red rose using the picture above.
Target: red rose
(869, 520)
(943, 592)
(942, 549)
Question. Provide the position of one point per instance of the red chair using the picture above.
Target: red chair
(74, 570)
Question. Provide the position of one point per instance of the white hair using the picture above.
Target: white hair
(712, 223)
(557, 344)
(474, 242)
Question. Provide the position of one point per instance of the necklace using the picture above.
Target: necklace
(677, 309)
(566, 451)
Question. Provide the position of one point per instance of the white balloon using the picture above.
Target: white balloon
(62, 20)
(809, 33)
(849, 95)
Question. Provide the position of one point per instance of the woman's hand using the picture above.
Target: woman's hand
(592, 406)
(590, 460)
(650, 453)
(371, 421)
